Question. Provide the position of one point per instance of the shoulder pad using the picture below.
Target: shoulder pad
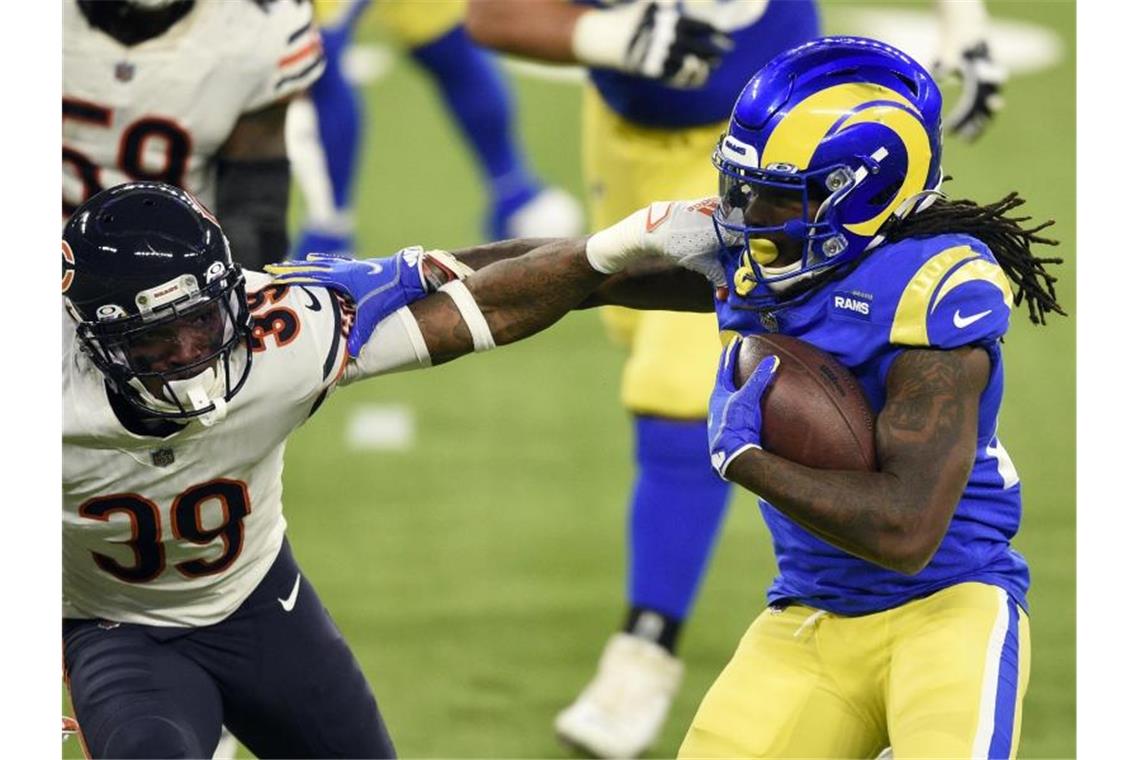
(957, 296)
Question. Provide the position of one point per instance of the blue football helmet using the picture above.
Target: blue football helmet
(851, 123)
(159, 304)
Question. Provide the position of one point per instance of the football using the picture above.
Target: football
(815, 413)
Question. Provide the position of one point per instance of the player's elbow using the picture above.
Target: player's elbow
(914, 540)
(911, 558)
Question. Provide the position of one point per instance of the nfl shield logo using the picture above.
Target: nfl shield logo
(162, 457)
(124, 71)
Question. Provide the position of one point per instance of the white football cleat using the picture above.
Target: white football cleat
(552, 213)
(621, 711)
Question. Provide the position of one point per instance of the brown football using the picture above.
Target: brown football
(815, 412)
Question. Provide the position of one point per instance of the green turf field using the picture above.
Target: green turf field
(478, 573)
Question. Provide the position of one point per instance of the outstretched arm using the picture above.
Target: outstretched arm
(926, 438)
(655, 40)
(517, 297)
(650, 284)
(520, 288)
(542, 29)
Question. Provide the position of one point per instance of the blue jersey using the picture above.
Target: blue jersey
(939, 292)
(759, 32)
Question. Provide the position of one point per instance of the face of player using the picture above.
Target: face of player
(177, 348)
(772, 206)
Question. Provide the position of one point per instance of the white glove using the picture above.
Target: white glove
(650, 38)
(681, 231)
(964, 55)
(981, 98)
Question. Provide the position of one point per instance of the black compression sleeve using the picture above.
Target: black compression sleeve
(253, 199)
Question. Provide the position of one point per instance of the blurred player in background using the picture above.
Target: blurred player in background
(192, 93)
(327, 141)
(663, 80)
(183, 376)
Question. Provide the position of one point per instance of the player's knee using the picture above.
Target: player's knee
(153, 736)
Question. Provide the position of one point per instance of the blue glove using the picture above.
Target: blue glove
(378, 287)
(734, 414)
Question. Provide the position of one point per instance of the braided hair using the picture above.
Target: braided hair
(1006, 238)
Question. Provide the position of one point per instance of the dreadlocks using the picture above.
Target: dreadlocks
(1003, 235)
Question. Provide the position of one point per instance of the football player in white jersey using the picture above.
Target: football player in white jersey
(183, 375)
(192, 93)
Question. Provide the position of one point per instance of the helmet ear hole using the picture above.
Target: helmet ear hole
(883, 196)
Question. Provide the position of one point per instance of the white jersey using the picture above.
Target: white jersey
(178, 531)
(161, 109)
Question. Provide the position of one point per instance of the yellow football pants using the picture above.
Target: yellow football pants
(411, 22)
(673, 355)
(939, 677)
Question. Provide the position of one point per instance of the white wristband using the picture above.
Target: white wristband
(395, 345)
(481, 335)
(601, 36)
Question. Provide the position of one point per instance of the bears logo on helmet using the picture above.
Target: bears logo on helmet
(159, 302)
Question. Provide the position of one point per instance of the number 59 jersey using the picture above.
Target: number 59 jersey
(162, 108)
(178, 530)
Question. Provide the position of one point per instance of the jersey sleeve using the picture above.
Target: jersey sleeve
(307, 327)
(960, 296)
(291, 54)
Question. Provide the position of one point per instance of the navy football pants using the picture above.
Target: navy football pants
(284, 682)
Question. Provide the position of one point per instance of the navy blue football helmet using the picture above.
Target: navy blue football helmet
(160, 305)
(851, 123)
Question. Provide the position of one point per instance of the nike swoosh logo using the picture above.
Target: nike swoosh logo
(962, 322)
(288, 603)
(313, 304)
(373, 266)
(650, 223)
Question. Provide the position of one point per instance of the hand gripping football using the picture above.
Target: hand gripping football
(815, 412)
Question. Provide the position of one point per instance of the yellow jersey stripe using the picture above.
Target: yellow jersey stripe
(972, 271)
(909, 325)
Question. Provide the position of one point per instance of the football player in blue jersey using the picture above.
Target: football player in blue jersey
(477, 97)
(898, 615)
(663, 77)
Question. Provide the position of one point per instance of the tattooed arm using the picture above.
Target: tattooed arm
(926, 437)
(518, 297)
(650, 284)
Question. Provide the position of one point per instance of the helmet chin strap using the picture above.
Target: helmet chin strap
(780, 286)
(202, 391)
(198, 392)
